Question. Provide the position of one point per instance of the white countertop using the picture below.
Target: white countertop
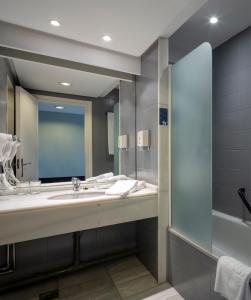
(20, 203)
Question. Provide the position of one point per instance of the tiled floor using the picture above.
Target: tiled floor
(125, 279)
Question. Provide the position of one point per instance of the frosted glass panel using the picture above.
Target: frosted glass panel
(192, 145)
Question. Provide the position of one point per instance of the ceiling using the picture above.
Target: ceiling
(234, 16)
(67, 109)
(44, 77)
(133, 24)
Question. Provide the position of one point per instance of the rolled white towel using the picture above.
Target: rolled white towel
(232, 279)
(140, 186)
(122, 187)
(102, 176)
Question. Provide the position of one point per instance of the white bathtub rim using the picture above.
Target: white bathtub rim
(215, 252)
(230, 218)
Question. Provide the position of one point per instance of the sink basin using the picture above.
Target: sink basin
(78, 195)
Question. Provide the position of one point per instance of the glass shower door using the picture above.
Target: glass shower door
(191, 150)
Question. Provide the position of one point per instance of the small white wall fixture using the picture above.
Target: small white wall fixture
(123, 142)
(143, 138)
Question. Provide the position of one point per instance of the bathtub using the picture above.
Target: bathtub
(231, 236)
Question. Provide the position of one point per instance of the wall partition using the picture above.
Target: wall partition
(191, 150)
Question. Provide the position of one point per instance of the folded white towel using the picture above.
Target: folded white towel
(232, 279)
(122, 187)
(112, 179)
(102, 176)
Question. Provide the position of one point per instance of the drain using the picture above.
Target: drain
(53, 294)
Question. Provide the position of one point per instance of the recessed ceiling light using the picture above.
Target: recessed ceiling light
(213, 20)
(55, 23)
(59, 107)
(65, 83)
(107, 38)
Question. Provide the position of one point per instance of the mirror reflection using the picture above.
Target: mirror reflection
(67, 122)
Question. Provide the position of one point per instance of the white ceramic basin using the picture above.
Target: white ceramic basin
(78, 195)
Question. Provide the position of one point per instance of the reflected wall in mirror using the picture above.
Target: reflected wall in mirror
(68, 121)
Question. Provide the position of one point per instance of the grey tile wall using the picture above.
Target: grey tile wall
(102, 161)
(232, 123)
(54, 253)
(127, 114)
(191, 272)
(147, 160)
(147, 114)
(147, 241)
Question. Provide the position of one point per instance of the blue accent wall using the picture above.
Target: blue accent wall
(61, 145)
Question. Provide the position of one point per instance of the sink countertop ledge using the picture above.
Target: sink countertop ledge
(21, 203)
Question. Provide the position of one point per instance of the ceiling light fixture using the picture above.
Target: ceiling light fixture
(107, 38)
(59, 107)
(65, 83)
(213, 20)
(55, 23)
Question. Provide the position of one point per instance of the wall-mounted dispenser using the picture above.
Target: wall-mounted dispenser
(123, 142)
(143, 138)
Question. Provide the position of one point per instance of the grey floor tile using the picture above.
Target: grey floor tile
(93, 289)
(129, 274)
(150, 292)
(122, 265)
(133, 287)
(81, 277)
(177, 297)
(32, 292)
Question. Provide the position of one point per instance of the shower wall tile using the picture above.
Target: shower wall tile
(231, 122)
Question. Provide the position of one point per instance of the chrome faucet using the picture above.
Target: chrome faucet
(76, 184)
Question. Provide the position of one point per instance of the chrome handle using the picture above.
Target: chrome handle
(22, 166)
(76, 183)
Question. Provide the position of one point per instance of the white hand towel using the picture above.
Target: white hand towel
(14, 148)
(4, 184)
(232, 279)
(93, 179)
(5, 145)
(122, 187)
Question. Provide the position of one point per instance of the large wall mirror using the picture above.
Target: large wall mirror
(68, 122)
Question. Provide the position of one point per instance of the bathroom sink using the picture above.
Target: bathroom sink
(77, 195)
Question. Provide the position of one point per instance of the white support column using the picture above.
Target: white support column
(163, 158)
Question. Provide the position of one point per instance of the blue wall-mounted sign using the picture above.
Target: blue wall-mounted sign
(163, 116)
